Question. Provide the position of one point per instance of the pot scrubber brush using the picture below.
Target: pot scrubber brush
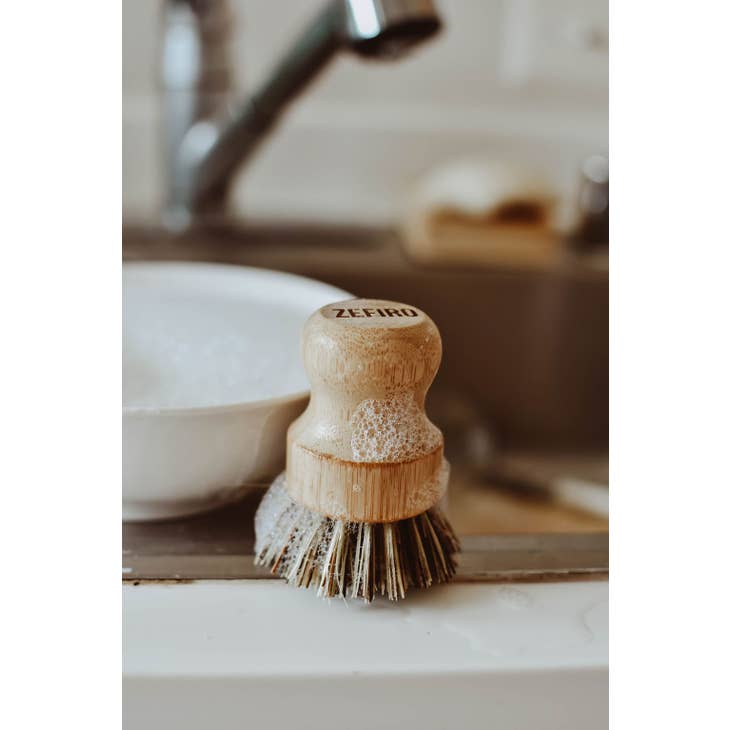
(355, 513)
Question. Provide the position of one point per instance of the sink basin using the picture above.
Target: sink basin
(537, 375)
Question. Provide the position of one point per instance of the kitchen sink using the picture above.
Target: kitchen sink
(523, 406)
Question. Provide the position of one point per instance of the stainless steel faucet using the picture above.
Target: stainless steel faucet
(208, 136)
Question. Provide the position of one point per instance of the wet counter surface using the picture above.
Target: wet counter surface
(232, 654)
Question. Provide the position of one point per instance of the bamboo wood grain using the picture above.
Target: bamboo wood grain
(364, 449)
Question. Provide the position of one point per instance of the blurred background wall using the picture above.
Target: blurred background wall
(522, 80)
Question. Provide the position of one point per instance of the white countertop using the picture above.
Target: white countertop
(464, 655)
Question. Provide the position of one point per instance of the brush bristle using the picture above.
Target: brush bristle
(352, 559)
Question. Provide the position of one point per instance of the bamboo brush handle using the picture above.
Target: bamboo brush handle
(364, 449)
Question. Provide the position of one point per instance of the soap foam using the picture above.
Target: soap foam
(393, 429)
(186, 349)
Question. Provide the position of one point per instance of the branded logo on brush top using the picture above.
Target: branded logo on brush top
(355, 312)
(374, 313)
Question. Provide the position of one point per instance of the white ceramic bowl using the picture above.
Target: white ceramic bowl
(191, 445)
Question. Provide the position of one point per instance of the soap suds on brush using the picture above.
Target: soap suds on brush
(391, 429)
(188, 349)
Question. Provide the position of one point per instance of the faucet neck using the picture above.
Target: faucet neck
(196, 78)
